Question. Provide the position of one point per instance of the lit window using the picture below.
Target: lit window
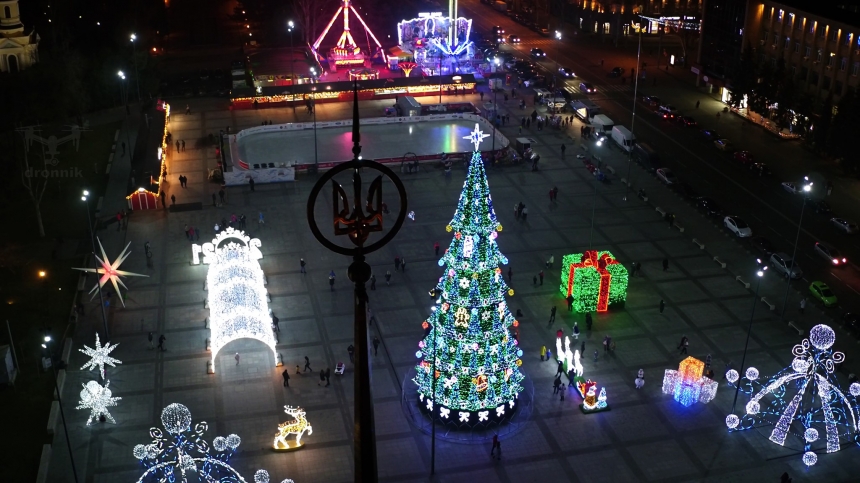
(807, 52)
(830, 60)
(855, 69)
(846, 39)
(779, 16)
(818, 56)
(811, 27)
(787, 42)
(843, 63)
(797, 47)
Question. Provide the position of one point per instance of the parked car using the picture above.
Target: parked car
(822, 292)
(538, 53)
(851, 322)
(792, 188)
(710, 135)
(616, 72)
(513, 39)
(587, 88)
(760, 169)
(844, 225)
(667, 112)
(566, 72)
(818, 206)
(831, 254)
(763, 245)
(782, 263)
(709, 206)
(685, 190)
(743, 157)
(687, 121)
(667, 176)
(737, 226)
(724, 145)
(652, 101)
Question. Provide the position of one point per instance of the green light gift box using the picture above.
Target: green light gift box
(595, 279)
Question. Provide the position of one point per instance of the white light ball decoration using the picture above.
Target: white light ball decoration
(732, 376)
(219, 443)
(800, 365)
(752, 373)
(753, 407)
(233, 441)
(810, 458)
(732, 421)
(811, 435)
(855, 389)
(261, 476)
(822, 338)
(152, 451)
(176, 418)
(139, 451)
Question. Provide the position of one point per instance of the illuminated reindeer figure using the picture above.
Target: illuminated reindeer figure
(297, 426)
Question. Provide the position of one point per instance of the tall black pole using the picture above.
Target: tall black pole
(292, 68)
(793, 255)
(96, 265)
(314, 111)
(62, 414)
(440, 77)
(136, 71)
(633, 119)
(747, 344)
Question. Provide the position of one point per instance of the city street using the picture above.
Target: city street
(770, 210)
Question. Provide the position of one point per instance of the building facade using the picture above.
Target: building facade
(722, 40)
(822, 54)
(18, 49)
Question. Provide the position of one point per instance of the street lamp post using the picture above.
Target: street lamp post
(314, 112)
(807, 188)
(495, 112)
(557, 53)
(290, 26)
(440, 77)
(86, 199)
(762, 268)
(124, 80)
(136, 72)
(594, 200)
(60, 404)
(633, 119)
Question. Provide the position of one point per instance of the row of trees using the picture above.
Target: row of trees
(772, 91)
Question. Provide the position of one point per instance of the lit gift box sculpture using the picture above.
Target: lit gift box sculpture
(688, 385)
(592, 402)
(595, 280)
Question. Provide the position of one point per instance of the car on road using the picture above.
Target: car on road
(521, 66)
(851, 322)
(538, 53)
(822, 292)
(709, 206)
(792, 188)
(687, 121)
(513, 39)
(566, 72)
(616, 72)
(763, 245)
(737, 226)
(667, 176)
(686, 191)
(830, 253)
(710, 135)
(724, 145)
(743, 157)
(667, 112)
(760, 169)
(844, 225)
(819, 206)
(652, 101)
(782, 263)
(587, 88)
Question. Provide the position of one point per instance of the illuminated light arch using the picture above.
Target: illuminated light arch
(237, 299)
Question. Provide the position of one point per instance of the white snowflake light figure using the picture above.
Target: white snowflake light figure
(804, 400)
(110, 271)
(97, 399)
(99, 356)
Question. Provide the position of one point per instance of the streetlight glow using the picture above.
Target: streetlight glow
(290, 24)
(86, 193)
(133, 37)
(558, 35)
(47, 338)
(42, 273)
(121, 74)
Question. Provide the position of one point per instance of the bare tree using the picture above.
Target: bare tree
(309, 12)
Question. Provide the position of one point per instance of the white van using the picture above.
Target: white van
(602, 123)
(623, 138)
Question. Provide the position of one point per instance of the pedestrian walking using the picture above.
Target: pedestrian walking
(187, 109)
(222, 194)
(517, 211)
(575, 331)
(534, 281)
(496, 446)
(555, 384)
(397, 263)
(542, 353)
(582, 348)
(308, 365)
(187, 232)
(551, 261)
(388, 277)
(671, 219)
(552, 315)
(214, 200)
(242, 220)
(251, 183)
(237, 358)
(261, 221)
(561, 391)
(563, 148)
(605, 343)
(596, 355)
(331, 280)
(351, 351)
(708, 361)
(802, 305)
(375, 345)
(697, 104)
(570, 303)
(161, 340)
(683, 345)
(665, 264)
(276, 323)
(196, 234)
(403, 263)
(525, 213)
(322, 377)
(510, 275)
(540, 276)
(662, 305)
(328, 377)
(183, 145)
(372, 282)
(286, 375)
(178, 149)
(302, 266)
(173, 199)
(151, 345)
(436, 248)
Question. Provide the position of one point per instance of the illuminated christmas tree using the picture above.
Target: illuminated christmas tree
(473, 373)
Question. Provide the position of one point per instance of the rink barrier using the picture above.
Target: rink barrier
(720, 262)
(679, 227)
(501, 141)
(745, 284)
(795, 327)
(661, 211)
(697, 242)
(770, 306)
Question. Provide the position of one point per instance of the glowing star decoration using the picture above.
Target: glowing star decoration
(297, 426)
(111, 272)
(97, 399)
(184, 453)
(477, 360)
(237, 298)
(804, 400)
(99, 356)
(476, 137)
(595, 279)
(687, 385)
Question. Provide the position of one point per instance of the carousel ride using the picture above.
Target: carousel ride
(438, 44)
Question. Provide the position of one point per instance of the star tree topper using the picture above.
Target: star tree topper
(99, 356)
(476, 137)
(109, 271)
